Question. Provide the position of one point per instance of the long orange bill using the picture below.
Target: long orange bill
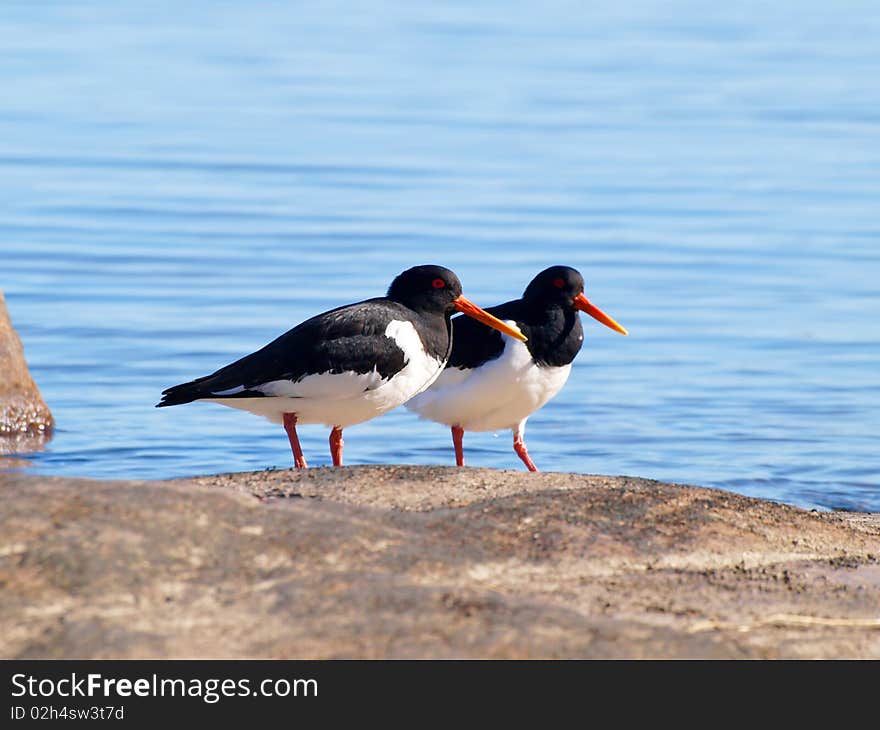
(585, 305)
(467, 307)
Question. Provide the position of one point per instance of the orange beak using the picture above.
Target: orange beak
(585, 305)
(467, 307)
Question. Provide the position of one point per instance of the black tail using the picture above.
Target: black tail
(236, 377)
(184, 393)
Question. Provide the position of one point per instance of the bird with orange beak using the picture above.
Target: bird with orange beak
(350, 364)
(492, 381)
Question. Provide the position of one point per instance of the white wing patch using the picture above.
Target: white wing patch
(229, 391)
(421, 369)
(330, 386)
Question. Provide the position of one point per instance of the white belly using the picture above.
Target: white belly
(497, 395)
(344, 399)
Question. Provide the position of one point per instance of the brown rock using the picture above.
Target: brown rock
(428, 562)
(24, 416)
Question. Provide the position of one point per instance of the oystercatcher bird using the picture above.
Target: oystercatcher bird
(492, 382)
(347, 365)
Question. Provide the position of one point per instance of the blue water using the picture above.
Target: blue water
(182, 182)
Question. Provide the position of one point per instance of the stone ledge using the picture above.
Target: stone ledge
(424, 562)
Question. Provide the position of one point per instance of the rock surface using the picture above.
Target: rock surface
(428, 562)
(25, 419)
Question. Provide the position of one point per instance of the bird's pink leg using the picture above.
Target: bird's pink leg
(519, 446)
(336, 444)
(299, 461)
(457, 436)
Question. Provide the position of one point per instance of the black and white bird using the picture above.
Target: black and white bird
(350, 364)
(492, 382)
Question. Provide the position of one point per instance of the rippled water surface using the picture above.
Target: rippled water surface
(182, 182)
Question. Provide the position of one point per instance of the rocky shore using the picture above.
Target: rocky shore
(402, 562)
(25, 419)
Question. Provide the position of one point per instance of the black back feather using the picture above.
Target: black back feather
(347, 339)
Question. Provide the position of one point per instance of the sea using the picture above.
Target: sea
(180, 183)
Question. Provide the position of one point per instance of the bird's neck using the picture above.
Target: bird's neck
(435, 331)
(555, 335)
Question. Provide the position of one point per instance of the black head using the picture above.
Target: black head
(426, 289)
(558, 285)
(562, 286)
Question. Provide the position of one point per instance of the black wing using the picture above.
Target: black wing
(348, 339)
(555, 335)
(474, 343)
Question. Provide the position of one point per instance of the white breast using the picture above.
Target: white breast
(344, 399)
(497, 395)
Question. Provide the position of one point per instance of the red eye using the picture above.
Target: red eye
(438, 283)
(559, 283)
